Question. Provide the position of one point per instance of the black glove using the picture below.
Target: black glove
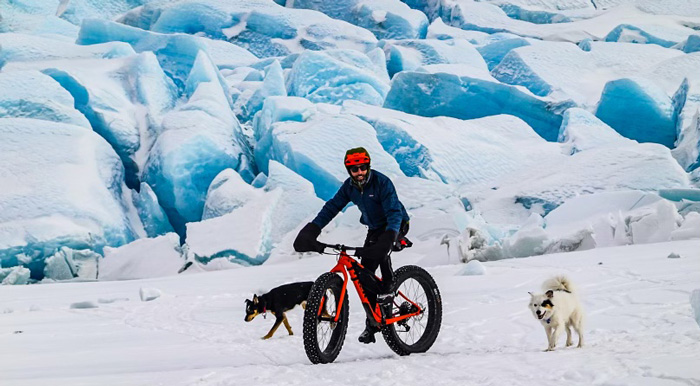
(306, 239)
(379, 250)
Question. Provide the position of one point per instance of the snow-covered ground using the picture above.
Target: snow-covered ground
(640, 328)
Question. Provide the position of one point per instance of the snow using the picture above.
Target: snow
(21, 47)
(31, 94)
(144, 258)
(472, 268)
(690, 228)
(640, 327)
(566, 71)
(387, 19)
(581, 130)
(486, 17)
(695, 302)
(411, 54)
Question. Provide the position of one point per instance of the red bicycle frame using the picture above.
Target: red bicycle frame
(345, 266)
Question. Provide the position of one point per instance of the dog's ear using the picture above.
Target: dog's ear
(531, 294)
(255, 299)
(549, 294)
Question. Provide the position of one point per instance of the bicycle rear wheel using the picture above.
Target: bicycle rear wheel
(323, 336)
(413, 284)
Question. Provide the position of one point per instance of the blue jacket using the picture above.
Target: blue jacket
(376, 199)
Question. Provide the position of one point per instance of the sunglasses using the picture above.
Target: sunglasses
(357, 168)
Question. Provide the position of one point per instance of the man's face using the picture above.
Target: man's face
(359, 172)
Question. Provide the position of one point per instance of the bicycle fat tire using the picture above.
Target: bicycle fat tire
(393, 335)
(322, 342)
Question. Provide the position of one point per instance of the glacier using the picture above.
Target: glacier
(469, 96)
(454, 151)
(255, 219)
(333, 76)
(144, 258)
(31, 94)
(123, 98)
(386, 19)
(262, 27)
(185, 120)
(176, 52)
(581, 130)
(199, 139)
(565, 71)
(53, 198)
(639, 110)
(296, 143)
(411, 54)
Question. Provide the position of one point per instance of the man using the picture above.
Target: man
(382, 212)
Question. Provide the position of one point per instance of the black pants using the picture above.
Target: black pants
(385, 264)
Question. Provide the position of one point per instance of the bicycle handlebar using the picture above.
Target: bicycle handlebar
(341, 247)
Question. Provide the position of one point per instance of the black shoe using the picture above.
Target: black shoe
(367, 336)
(386, 303)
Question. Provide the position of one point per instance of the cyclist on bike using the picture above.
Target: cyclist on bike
(382, 212)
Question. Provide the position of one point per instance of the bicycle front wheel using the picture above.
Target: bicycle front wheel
(323, 336)
(414, 289)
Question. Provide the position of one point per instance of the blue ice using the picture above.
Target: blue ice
(643, 35)
(468, 97)
(692, 44)
(111, 105)
(261, 26)
(200, 138)
(494, 52)
(638, 109)
(176, 53)
(296, 144)
(387, 19)
(155, 221)
(273, 84)
(334, 76)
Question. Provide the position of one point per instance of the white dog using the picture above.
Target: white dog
(558, 309)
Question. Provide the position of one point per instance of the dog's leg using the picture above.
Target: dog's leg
(568, 334)
(548, 330)
(556, 333)
(278, 321)
(578, 326)
(286, 324)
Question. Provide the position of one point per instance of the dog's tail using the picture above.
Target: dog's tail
(559, 283)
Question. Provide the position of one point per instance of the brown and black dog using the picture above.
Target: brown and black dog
(278, 301)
